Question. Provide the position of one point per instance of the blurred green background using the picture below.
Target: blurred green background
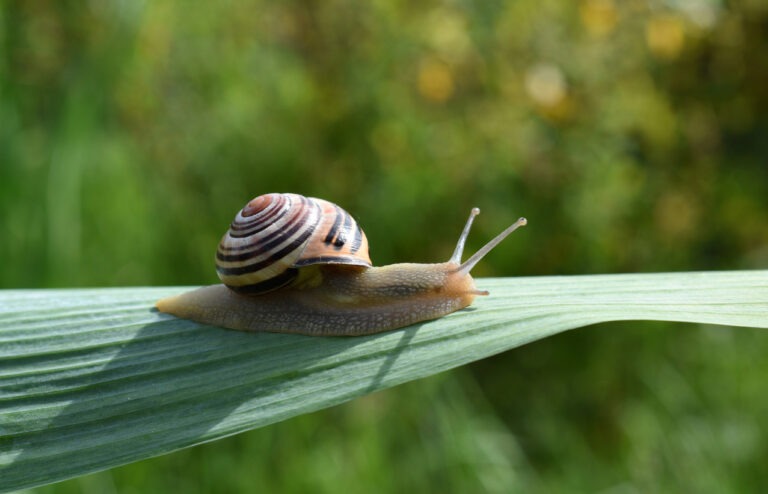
(632, 134)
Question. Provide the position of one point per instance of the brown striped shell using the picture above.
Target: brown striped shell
(276, 234)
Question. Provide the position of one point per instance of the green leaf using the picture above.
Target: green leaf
(91, 379)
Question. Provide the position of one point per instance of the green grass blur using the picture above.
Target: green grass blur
(632, 135)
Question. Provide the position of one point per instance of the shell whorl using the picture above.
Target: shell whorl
(276, 234)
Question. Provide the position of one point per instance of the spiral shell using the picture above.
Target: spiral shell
(276, 234)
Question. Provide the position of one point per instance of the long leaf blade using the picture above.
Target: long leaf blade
(91, 379)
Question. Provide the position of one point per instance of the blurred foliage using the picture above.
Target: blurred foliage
(631, 134)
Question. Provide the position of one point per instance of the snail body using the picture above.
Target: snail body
(292, 264)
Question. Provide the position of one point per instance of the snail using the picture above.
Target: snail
(295, 264)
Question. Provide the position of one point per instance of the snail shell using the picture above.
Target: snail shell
(276, 234)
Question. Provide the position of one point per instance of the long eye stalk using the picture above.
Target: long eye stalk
(470, 263)
(456, 257)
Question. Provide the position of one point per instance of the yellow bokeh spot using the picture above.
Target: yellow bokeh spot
(435, 80)
(447, 33)
(665, 36)
(599, 17)
(545, 84)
